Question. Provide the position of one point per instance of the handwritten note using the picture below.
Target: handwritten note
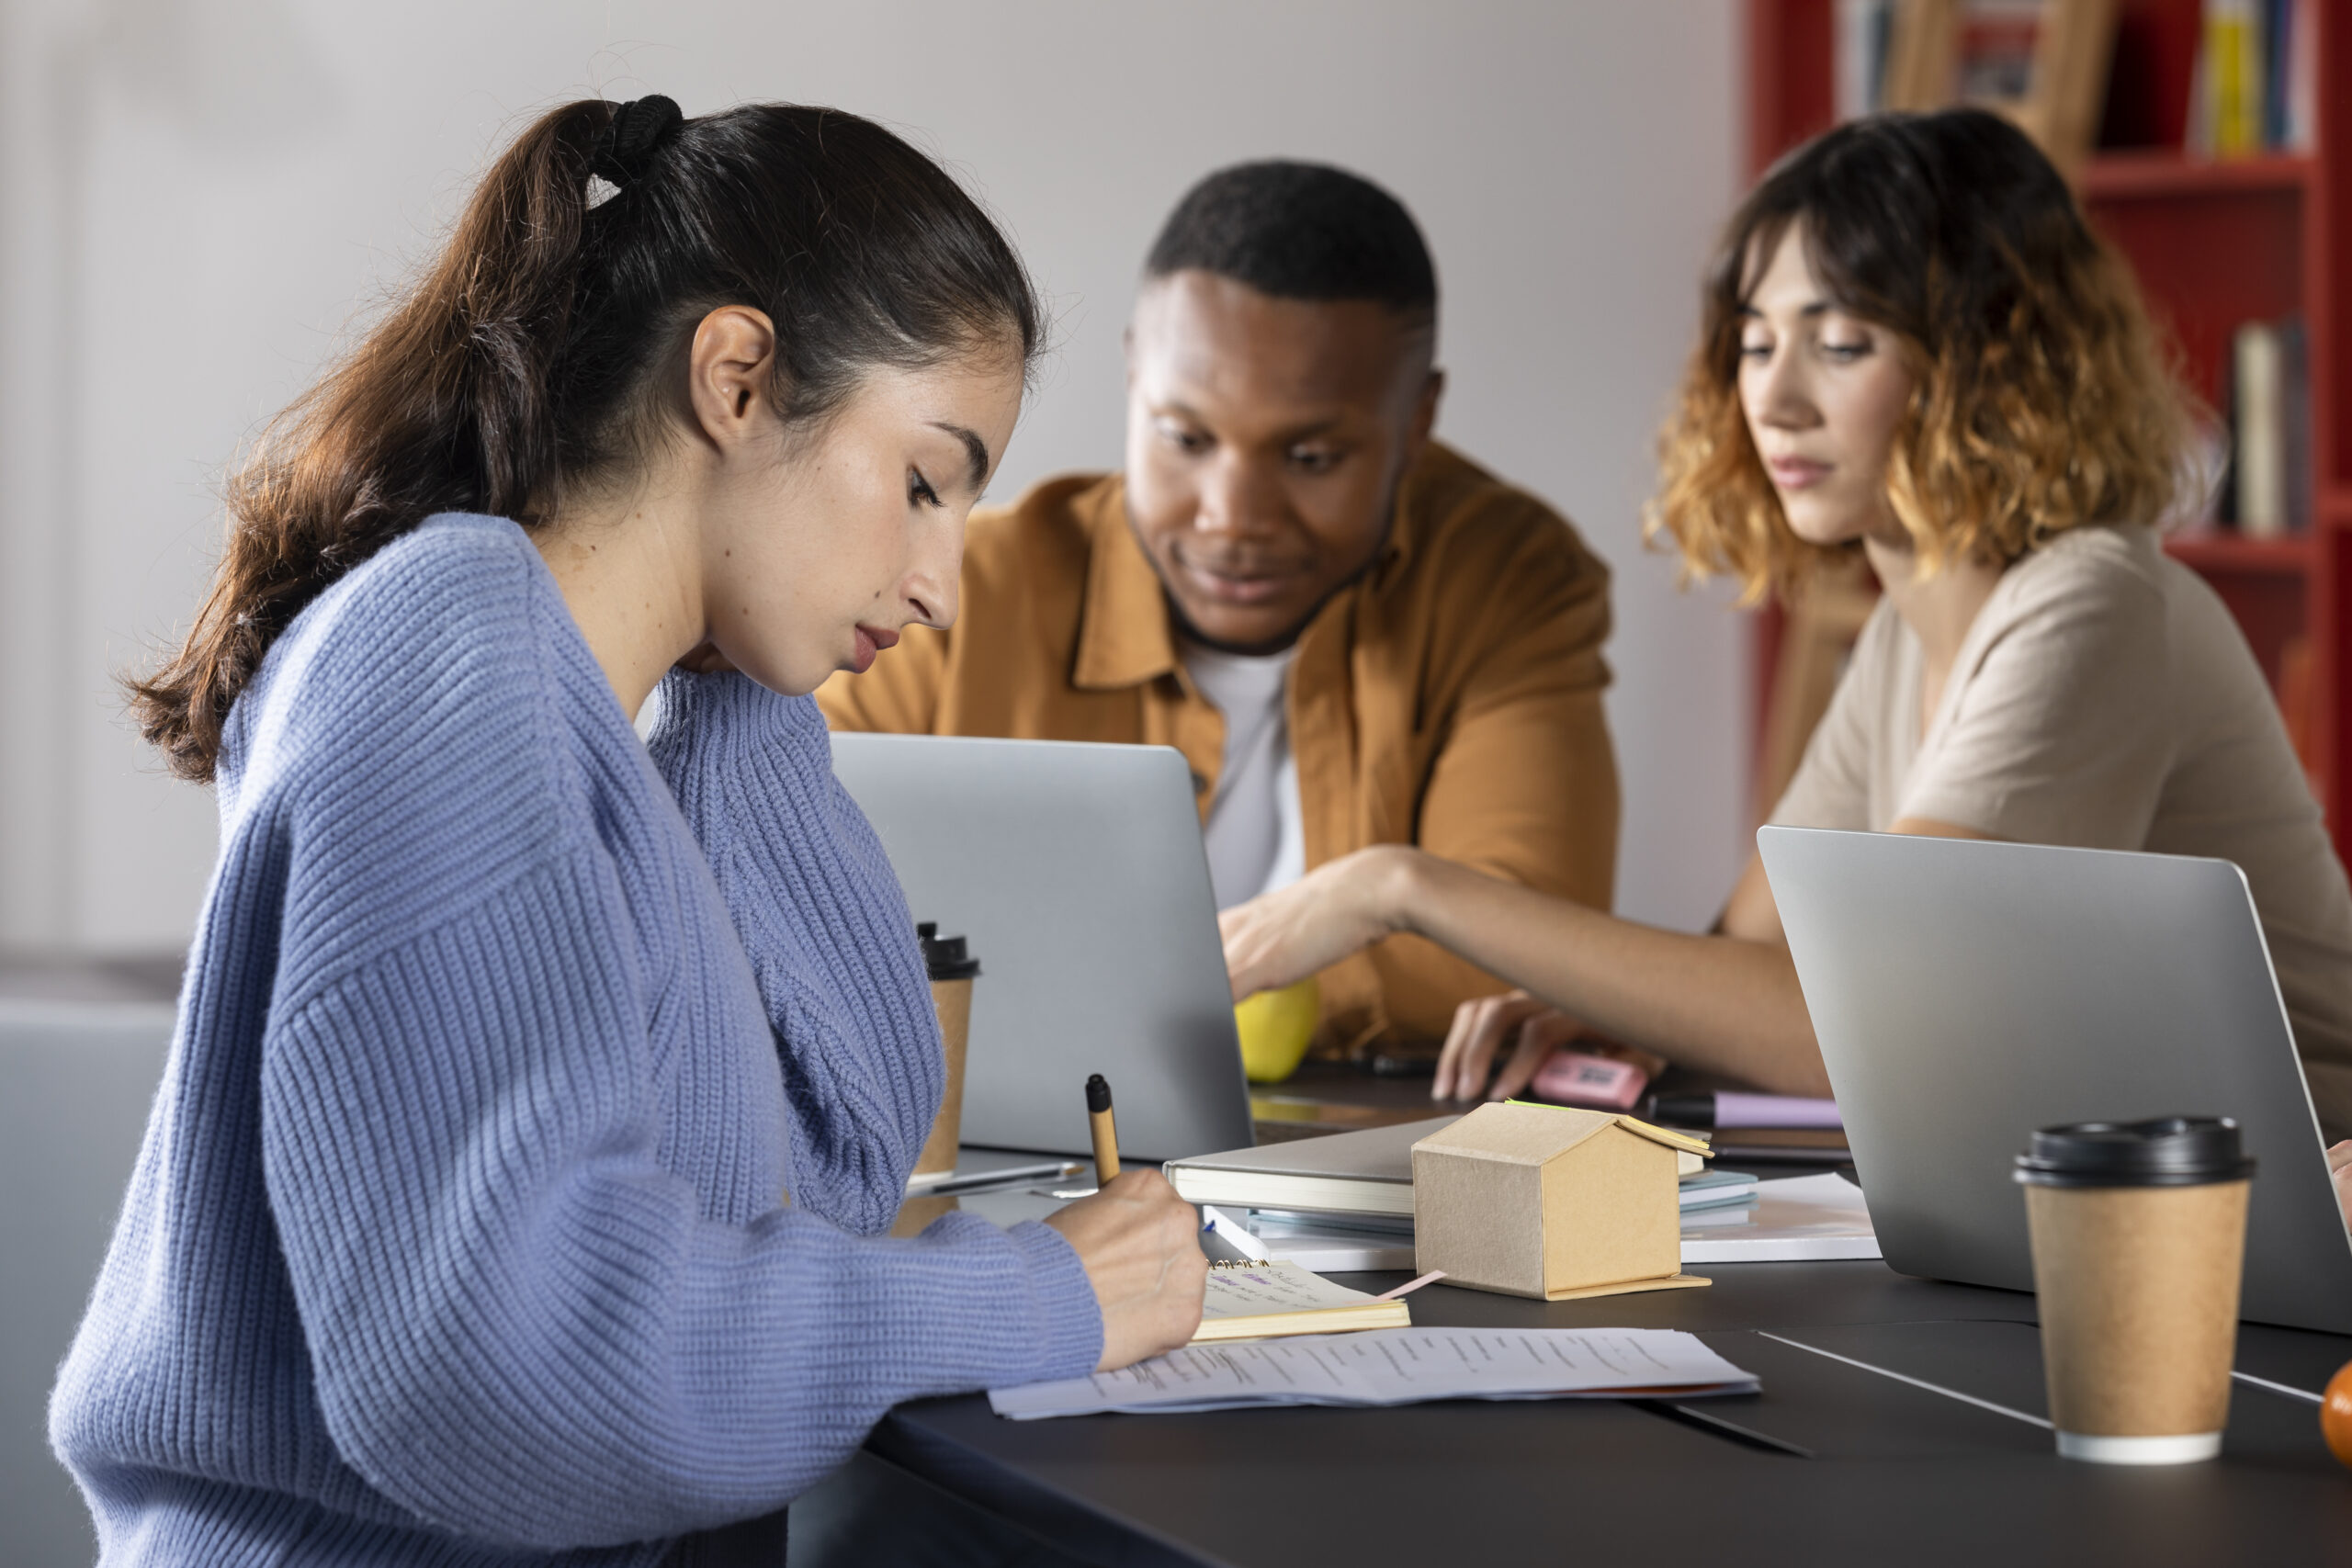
(1393, 1366)
(1254, 1289)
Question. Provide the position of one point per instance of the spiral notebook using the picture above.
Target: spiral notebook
(1250, 1299)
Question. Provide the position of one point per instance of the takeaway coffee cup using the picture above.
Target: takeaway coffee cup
(952, 972)
(2139, 1234)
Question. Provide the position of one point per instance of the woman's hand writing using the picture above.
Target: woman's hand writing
(1141, 1248)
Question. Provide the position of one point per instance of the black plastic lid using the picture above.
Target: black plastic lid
(2169, 1151)
(944, 955)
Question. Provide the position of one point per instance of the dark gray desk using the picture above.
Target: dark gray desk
(1897, 1472)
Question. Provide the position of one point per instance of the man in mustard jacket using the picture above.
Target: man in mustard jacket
(1353, 634)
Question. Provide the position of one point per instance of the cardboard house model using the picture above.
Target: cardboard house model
(1548, 1201)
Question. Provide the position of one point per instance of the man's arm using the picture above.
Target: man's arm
(1524, 786)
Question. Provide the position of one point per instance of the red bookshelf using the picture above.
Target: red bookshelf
(2220, 551)
(2118, 176)
(2215, 244)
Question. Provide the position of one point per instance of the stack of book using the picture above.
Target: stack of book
(1718, 1198)
(1345, 1203)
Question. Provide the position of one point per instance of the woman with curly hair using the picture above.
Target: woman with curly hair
(1914, 348)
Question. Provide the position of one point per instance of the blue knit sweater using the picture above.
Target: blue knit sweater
(518, 1182)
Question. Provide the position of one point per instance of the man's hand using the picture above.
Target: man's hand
(1141, 1248)
(2339, 1168)
(1281, 938)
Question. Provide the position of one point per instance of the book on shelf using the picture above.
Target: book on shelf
(2257, 377)
(2295, 422)
(2298, 70)
(2255, 85)
(2269, 490)
(1992, 55)
(1863, 29)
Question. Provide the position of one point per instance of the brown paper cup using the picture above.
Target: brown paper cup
(2139, 1300)
(954, 1000)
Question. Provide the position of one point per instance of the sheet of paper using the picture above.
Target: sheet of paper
(1797, 1219)
(1392, 1366)
(1278, 1285)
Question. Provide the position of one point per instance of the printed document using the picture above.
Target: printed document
(1393, 1366)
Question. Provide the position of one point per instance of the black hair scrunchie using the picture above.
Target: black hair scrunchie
(638, 129)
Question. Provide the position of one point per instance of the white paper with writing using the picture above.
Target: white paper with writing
(1253, 1289)
(1392, 1366)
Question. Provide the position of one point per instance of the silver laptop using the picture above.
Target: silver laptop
(1077, 873)
(1967, 993)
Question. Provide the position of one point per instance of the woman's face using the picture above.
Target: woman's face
(815, 561)
(1825, 393)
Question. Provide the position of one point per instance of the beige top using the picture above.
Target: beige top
(2104, 698)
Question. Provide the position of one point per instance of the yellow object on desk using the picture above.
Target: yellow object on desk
(1276, 1028)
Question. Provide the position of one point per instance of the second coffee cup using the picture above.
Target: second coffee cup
(952, 972)
(2139, 1237)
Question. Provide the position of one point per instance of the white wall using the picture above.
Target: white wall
(197, 193)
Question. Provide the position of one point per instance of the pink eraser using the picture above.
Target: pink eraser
(1578, 1077)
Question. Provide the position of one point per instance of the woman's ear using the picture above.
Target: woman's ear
(730, 373)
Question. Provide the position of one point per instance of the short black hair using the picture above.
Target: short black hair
(1300, 231)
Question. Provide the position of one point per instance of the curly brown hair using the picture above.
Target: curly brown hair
(2044, 398)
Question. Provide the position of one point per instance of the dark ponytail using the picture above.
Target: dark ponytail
(527, 357)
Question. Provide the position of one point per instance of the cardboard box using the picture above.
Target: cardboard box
(1550, 1201)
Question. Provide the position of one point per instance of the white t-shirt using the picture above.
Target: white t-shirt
(1257, 839)
(2104, 698)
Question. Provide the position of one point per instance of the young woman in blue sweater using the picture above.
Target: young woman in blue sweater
(540, 1099)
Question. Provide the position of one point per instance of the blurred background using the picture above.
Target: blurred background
(203, 196)
(201, 199)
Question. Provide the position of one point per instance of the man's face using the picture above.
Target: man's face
(1265, 440)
